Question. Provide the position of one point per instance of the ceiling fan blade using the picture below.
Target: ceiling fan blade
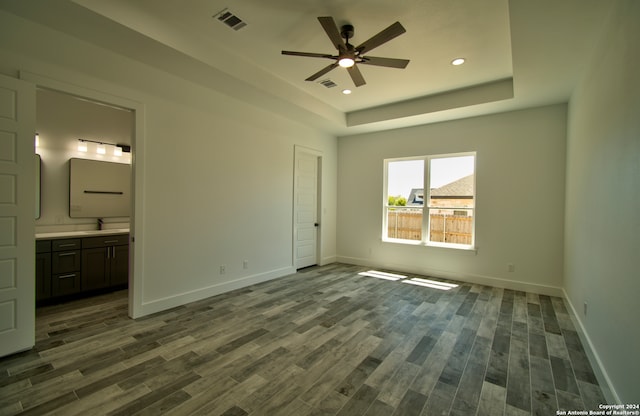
(386, 35)
(310, 54)
(388, 62)
(356, 76)
(322, 72)
(329, 26)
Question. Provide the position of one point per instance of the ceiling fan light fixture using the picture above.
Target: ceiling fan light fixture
(350, 57)
(346, 62)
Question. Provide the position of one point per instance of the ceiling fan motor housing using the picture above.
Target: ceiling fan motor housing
(347, 32)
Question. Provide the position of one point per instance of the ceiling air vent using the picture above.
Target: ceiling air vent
(230, 19)
(328, 83)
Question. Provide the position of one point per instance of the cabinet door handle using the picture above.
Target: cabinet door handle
(110, 241)
(113, 249)
(66, 276)
(66, 254)
(67, 245)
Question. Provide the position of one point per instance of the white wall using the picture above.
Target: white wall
(216, 172)
(61, 120)
(520, 198)
(602, 261)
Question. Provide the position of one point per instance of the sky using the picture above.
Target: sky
(405, 175)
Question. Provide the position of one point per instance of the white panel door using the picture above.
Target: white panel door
(305, 210)
(17, 223)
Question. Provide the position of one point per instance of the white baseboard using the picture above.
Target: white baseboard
(604, 381)
(159, 305)
(327, 260)
(464, 277)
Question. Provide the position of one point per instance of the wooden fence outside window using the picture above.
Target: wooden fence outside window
(407, 225)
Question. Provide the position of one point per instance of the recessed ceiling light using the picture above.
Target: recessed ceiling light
(457, 61)
(346, 92)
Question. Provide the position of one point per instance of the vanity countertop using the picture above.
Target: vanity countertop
(86, 233)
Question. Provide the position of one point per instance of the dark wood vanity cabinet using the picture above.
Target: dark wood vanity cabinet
(120, 266)
(43, 269)
(77, 265)
(105, 261)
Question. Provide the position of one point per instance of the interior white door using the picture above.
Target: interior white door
(17, 223)
(305, 209)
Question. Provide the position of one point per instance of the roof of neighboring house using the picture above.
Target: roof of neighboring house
(463, 187)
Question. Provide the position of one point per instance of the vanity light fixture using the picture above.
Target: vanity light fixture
(101, 148)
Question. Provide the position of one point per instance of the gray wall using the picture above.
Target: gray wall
(215, 172)
(602, 233)
(520, 166)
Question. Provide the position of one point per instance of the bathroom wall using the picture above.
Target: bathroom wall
(61, 120)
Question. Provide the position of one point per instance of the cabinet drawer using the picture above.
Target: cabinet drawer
(65, 261)
(105, 241)
(65, 284)
(67, 244)
(43, 246)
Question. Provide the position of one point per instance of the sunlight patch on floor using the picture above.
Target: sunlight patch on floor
(417, 281)
(430, 283)
(382, 275)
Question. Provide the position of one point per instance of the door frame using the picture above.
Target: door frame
(318, 154)
(136, 229)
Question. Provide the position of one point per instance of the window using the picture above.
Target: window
(442, 213)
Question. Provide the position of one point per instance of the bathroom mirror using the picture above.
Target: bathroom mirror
(99, 189)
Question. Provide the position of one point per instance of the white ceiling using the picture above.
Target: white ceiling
(537, 47)
(437, 32)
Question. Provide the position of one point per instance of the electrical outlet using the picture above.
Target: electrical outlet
(245, 264)
(223, 269)
(511, 267)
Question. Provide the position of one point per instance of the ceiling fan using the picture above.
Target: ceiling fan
(349, 56)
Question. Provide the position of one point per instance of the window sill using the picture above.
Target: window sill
(460, 247)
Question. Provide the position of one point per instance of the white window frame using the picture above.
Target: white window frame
(425, 208)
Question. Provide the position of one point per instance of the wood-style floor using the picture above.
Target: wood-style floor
(325, 341)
